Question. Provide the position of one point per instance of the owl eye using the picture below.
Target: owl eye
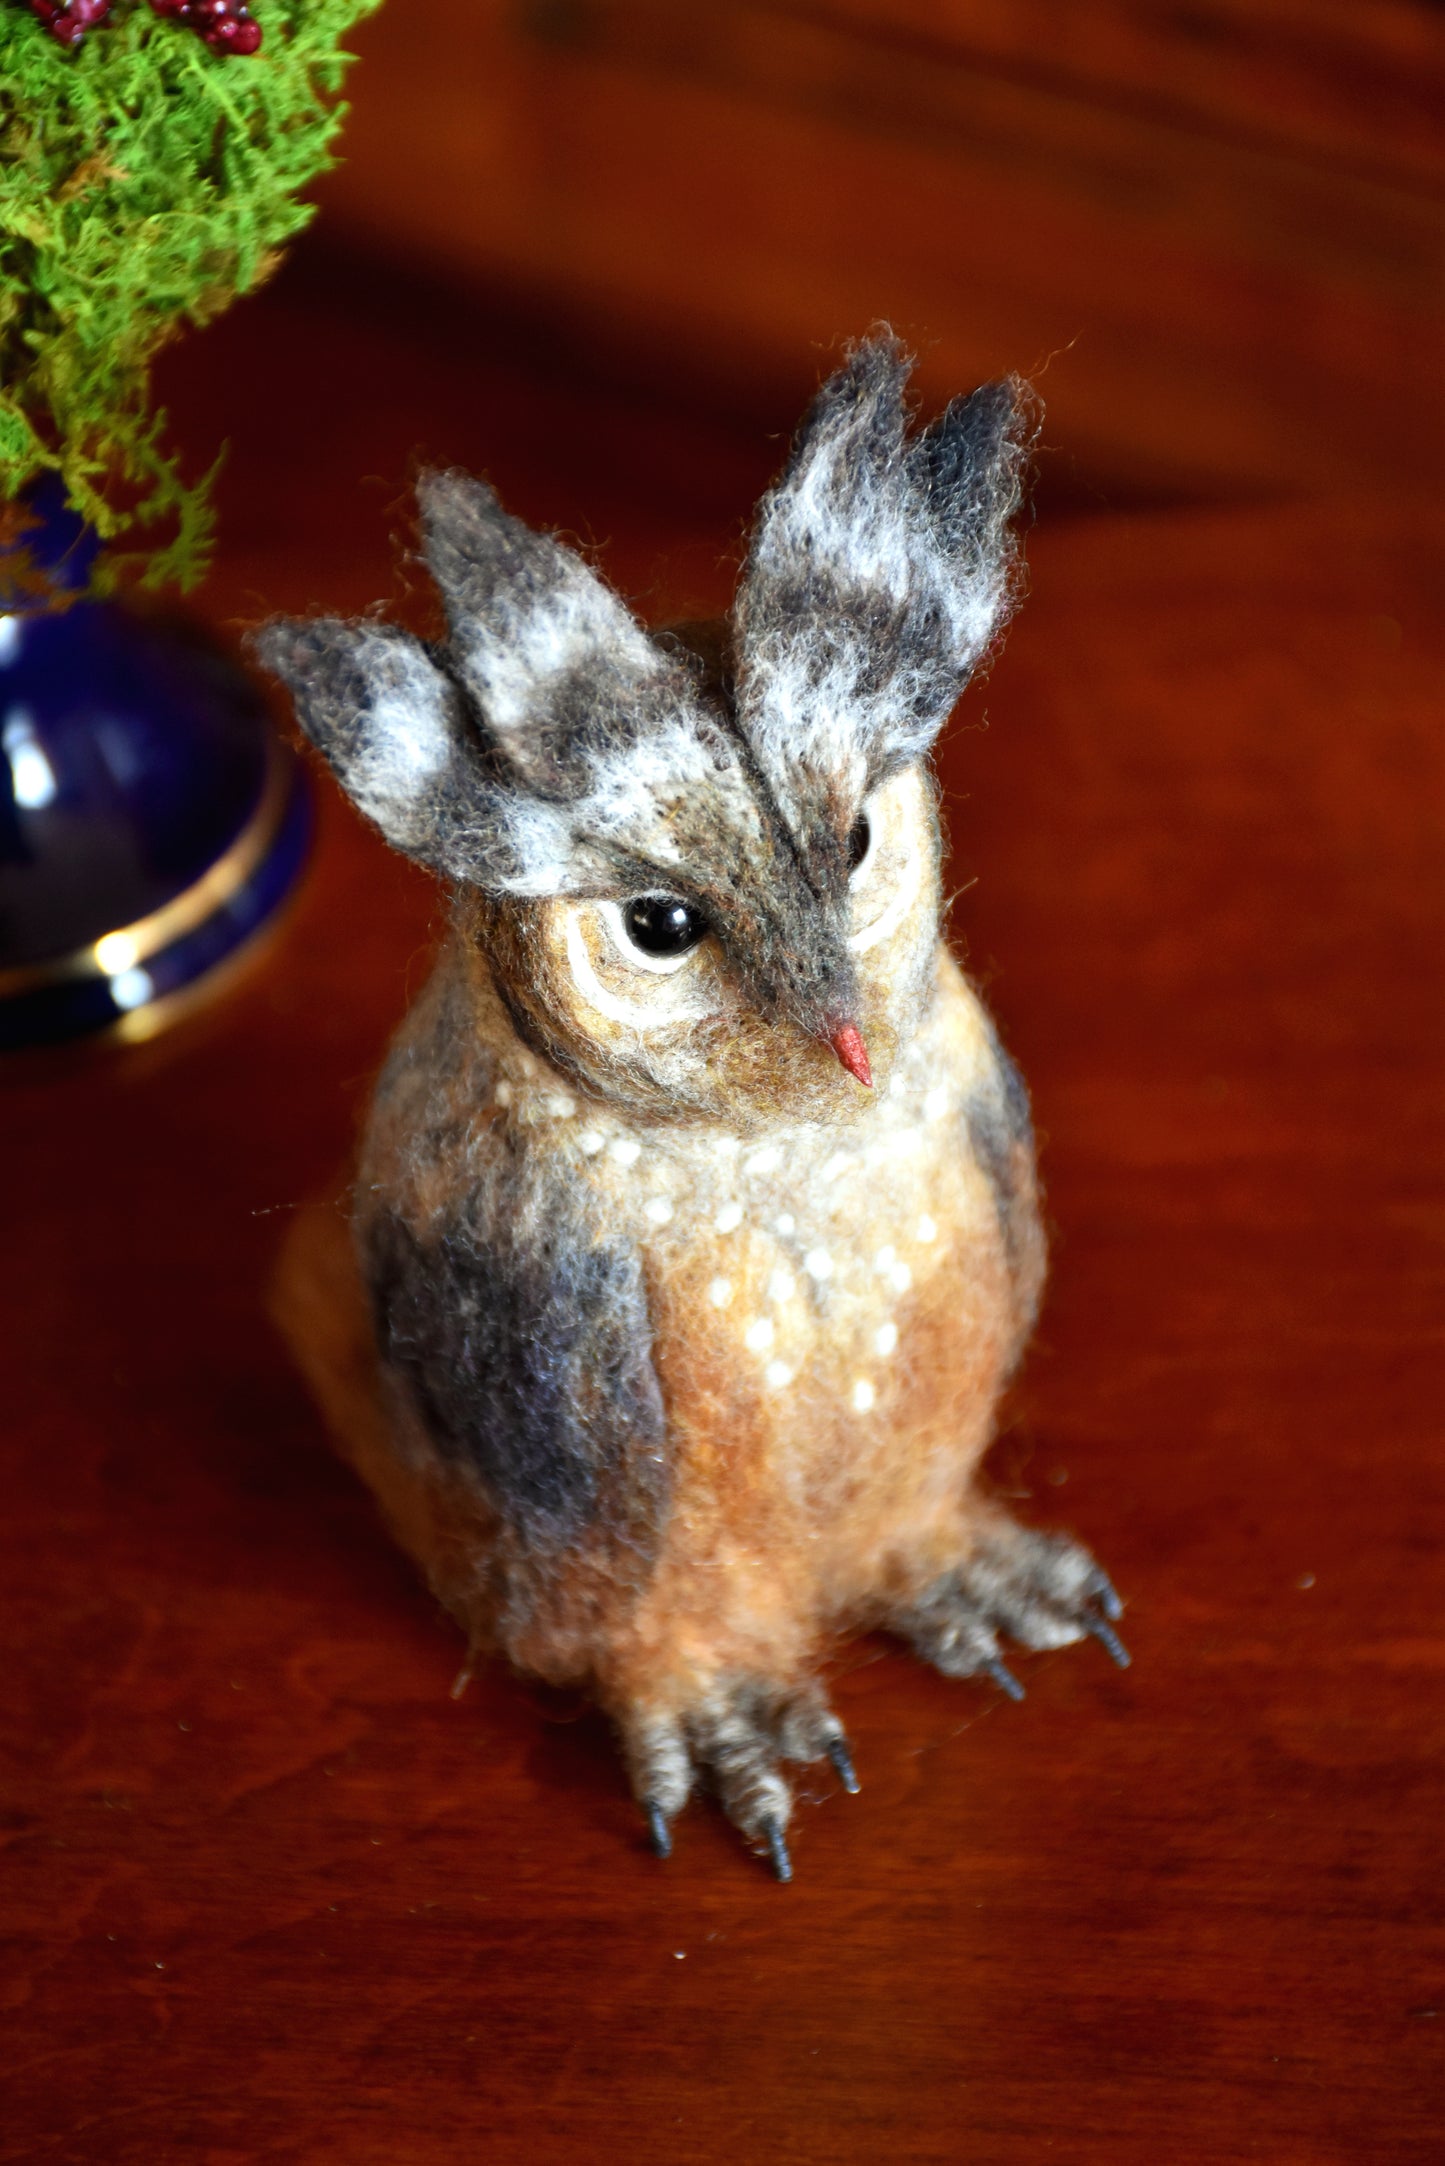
(663, 925)
(860, 842)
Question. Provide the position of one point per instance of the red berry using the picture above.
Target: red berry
(62, 25)
(225, 25)
(232, 29)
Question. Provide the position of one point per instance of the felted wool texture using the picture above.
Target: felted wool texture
(555, 748)
(688, 1346)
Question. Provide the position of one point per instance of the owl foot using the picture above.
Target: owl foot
(734, 1741)
(1041, 1589)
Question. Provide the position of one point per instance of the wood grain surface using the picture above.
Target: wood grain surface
(1218, 230)
(271, 1893)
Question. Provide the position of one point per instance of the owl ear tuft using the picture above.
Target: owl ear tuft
(972, 464)
(881, 568)
(546, 738)
(386, 719)
(534, 635)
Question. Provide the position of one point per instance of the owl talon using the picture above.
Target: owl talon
(777, 1842)
(1101, 1590)
(1004, 1678)
(1108, 1639)
(657, 1828)
(1041, 1589)
(842, 1760)
(735, 1740)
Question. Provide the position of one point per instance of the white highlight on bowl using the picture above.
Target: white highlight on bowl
(132, 988)
(116, 952)
(32, 778)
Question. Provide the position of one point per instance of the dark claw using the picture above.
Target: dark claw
(1101, 1590)
(778, 1849)
(1108, 1639)
(842, 1760)
(1004, 1678)
(658, 1828)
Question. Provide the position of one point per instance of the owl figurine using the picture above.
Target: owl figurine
(695, 1231)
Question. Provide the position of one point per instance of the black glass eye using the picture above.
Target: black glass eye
(663, 924)
(858, 842)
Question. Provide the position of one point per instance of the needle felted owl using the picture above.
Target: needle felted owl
(696, 1211)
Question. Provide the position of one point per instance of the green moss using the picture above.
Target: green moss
(145, 182)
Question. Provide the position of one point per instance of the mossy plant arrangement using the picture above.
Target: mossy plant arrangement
(148, 176)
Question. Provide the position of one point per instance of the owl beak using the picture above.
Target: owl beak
(846, 1040)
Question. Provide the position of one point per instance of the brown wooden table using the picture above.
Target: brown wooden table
(273, 1894)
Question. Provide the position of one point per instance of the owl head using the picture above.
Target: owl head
(701, 867)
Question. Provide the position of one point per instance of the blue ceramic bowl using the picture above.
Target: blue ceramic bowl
(150, 820)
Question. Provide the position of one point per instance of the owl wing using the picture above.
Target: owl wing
(999, 1132)
(520, 1332)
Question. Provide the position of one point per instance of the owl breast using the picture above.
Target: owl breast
(832, 1310)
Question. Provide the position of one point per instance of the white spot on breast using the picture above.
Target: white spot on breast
(927, 1228)
(782, 1285)
(818, 1264)
(765, 1161)
(589, 1143)
(626, 1150)
(785, 1223)
(886, 1258)
(900, 1278)
(729, 1218)
(863, 1395)
(503, 1094)
(726, 1146)
(720, 1293)
(561, 1107)
(659, 1210)
(885, 1338)
(935, 1102)
(838, 1163)
(778, 1374)
(759, 1334)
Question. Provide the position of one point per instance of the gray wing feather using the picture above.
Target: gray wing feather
(523, 1337)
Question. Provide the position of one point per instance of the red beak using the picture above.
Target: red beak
(847, 1043)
